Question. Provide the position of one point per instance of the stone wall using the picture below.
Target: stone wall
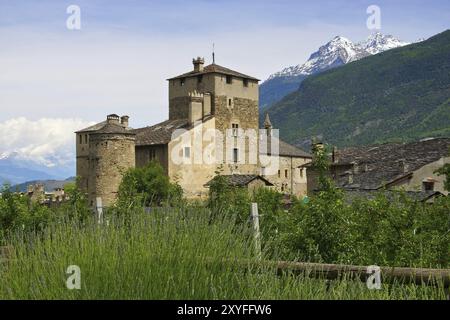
(82, 160)
(192, 171)
(110, 155)
(179, 108)
(288, 176)
(244, 113)
(159, 153)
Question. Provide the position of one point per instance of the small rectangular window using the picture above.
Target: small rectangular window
(229, 102)
(81, 139)
(235, 155)
(187, 152)
(229, 79)
(428, 186)
(86, 138)
(286, 173)
(200, 78)
(182, 80)
(245, 82)
(279, 173)
(235, 129)
(301, 172)
(263, 171)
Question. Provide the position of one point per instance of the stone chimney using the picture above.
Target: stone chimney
(404, 167)
(113, 119)
(124, 121)
(349, 177)
(355, 167)
(365, 167)
(198, 64)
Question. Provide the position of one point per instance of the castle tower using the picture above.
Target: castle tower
(232, 98)
(111, 153)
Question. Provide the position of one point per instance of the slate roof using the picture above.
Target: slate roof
(94, 127)
(285, 149)
(378, 165)
(105, 127)
(113, 128)
(214, 68)
(421, 196)
(242, 180)
(160, 133)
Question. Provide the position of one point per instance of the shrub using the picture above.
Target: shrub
(147, 186)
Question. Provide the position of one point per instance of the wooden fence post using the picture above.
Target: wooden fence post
(99, 208)
(257, 234)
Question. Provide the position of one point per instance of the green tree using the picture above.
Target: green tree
(148, 186)
(76, 206)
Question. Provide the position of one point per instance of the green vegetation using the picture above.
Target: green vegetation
(147, 186)
(183, 250)
(401, 94)
(177, 254)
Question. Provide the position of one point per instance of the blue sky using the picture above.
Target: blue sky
(119, 60)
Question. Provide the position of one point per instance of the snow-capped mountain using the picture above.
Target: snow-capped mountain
(339, 51)
(378, 42)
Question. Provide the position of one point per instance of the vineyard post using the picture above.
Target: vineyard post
(257, 234)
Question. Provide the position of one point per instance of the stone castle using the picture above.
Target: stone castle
(206, 99)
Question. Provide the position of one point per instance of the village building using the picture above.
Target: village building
(392, 166)
(37, 193)
(207, 99)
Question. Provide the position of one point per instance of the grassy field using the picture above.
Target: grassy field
(168, 254)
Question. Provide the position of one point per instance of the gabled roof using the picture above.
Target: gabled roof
(160, 133)
(420, 196)
(214, 68)
(285, 149)
(242, 180)
(380, 165)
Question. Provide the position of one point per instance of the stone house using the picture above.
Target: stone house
(392, 166)
(212, 124)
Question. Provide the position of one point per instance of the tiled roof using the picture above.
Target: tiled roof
(241, 180)
(160, 133)
(285, 149)
(214, 68)
(379, 165)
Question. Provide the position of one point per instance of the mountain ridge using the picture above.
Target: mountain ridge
(337, 52)
(399, 94)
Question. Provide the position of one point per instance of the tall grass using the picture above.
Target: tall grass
(166, 254)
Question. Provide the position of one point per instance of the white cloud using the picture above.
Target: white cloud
(90, 74)
(48, 142)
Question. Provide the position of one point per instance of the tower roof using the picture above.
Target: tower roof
(214, 68)
(267, 123)
(113, 128)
